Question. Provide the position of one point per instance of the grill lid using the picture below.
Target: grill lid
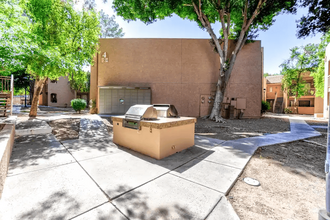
(166, 111)
(140, 112)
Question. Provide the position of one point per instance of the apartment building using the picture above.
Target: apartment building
(182, 72)
(307, 104)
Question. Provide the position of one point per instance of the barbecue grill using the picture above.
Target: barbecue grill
(136, 113)
(154, 130)
(166, 111)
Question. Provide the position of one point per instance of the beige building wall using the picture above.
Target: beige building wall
(178, 71)
(63, 92)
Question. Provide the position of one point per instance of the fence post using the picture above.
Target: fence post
(12, 94)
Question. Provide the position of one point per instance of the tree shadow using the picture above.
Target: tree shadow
(299, 157)
(234, 129)
(136, 205)
(29, 150)
(47, 209)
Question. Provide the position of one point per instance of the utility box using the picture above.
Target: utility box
(241, 103)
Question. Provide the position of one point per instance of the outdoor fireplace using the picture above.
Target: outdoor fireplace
(154, 130)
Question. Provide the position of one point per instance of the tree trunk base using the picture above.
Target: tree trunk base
(217, 119)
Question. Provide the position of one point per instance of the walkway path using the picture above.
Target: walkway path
(91, 178)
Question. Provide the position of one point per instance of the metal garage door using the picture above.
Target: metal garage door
(118, 100)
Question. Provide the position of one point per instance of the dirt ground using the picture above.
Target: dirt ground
(292, 182)
(65, 129)
(235, 129)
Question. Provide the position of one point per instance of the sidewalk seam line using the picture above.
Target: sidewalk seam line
(197, 183)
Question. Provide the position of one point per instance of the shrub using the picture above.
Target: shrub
(78, 104)
(287, 111)
(92, 106)
(265, 105)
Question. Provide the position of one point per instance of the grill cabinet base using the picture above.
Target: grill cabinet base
(158, 139)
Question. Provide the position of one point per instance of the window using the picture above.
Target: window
(53, 98)
(53, 81)
(270, 89)
(304, 103)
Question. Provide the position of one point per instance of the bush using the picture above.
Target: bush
(287, 111)
(265, 105)
(78, 104)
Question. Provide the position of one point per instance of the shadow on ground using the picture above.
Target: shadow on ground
(137, 207)
(48, 206)
(299, 157)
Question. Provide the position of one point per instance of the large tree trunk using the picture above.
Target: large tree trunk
(220, 93)
(38, 85)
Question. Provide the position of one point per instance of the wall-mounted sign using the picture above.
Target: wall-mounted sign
(104, 58)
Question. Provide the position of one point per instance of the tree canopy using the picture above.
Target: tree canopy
(239, 20)
(57, 40)
(318, 73)
(317, 20)
(302, 60)
(17, 43)
(109, 27)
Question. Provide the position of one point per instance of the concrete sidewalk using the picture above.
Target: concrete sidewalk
(92, 178)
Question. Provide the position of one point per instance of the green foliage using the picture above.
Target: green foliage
(265, 105)
(266, 74)
(318, 74)
(287, 111)
(17, 43)
(58, 40)
(78, 104)
(302, 59)
(317, 20)
(151, 11)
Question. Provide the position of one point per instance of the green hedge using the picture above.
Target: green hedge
(265, 106)
(78, 104)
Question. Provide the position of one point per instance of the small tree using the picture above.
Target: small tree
(66, 40)
(302, 59)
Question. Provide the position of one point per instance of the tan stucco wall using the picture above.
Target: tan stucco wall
(276, 87)
(63, 91)
(178, 71)
(318, 105)
(7, 135)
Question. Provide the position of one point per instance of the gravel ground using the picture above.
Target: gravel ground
(65, 129)
(235, 129)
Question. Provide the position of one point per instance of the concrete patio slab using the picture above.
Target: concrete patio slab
(207, 143)
(35, 152)
(212, 175)
(168, 197)
(120, 172)
(226, 155)
(57, 193)
(92, 127)
(105, 211)
(223, 209)
(83, 149)
(34, 126)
